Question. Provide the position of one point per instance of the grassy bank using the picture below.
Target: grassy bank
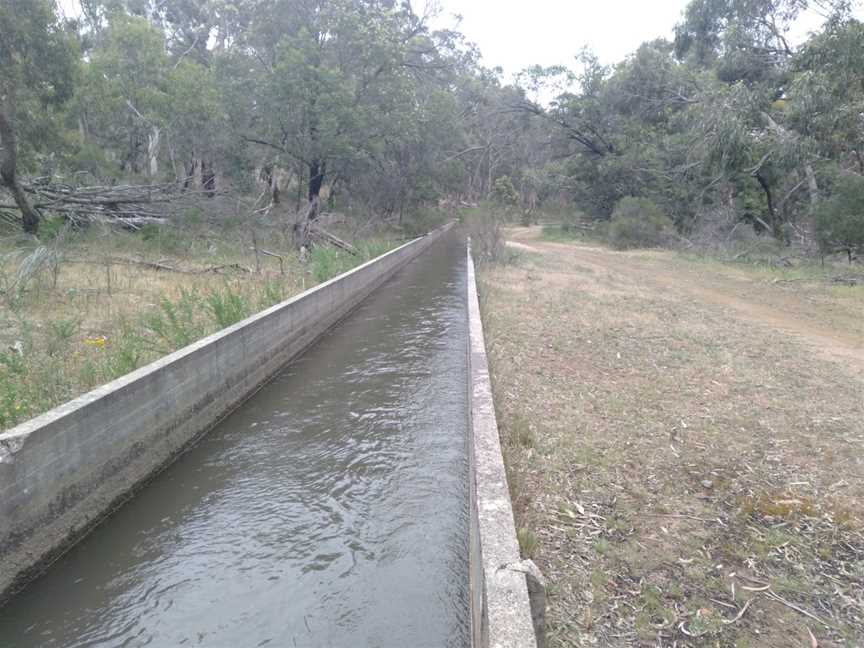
(683, 446)
(82, 308)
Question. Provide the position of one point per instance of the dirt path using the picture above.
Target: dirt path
(685, 446)
(840, 338)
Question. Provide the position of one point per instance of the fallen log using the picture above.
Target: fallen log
(325, 236)
(159, 266)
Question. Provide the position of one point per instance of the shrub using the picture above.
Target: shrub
(503, 192)
(484, 228)
(840, 218)
(227, 307)
(639, 223)
(174, 323)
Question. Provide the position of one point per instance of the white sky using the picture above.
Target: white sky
(514, 34)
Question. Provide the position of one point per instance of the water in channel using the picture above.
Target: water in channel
(329, 510)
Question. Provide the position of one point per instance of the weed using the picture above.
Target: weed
(272, 293)
(174, 323)
(227, 307)
(527, 542)
(601, 546)
(61, 332)
(127, 352)
(654, 616)
(521, 433)
(777, 505)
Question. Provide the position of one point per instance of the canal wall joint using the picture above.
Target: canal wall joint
(64, 471)
(507, 593)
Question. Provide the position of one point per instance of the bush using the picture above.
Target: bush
(504, 193)
(423, 220)
(840, 218)
(227, 307)
(639, 223)
(484, 228)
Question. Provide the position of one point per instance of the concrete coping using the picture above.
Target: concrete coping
(501, 608)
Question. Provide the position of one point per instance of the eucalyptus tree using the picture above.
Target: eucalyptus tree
(37, 63)
(141, 106)
(332, 83)
(825, 101)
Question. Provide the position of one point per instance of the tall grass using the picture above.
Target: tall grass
(327, 262)
(48, 356)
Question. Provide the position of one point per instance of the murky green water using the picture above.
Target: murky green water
(330, 510)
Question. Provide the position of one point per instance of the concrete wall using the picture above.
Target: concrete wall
(62, 472)
(501, 615)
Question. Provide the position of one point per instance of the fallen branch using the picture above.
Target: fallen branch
(740, 613)
(161, 267)
(226, 266)
(275, 256)
(771, 594)
(316, 232)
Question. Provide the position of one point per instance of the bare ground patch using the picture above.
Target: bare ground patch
(693, 474)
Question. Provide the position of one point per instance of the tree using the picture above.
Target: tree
(744, 40)
(36, 72)
(826, 97)
(840, 218)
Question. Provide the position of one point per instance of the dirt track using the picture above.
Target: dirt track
(840, 337)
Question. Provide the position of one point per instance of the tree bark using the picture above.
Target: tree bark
(9, 173)
(812, 185)
(769, 197)
(317, 169)
(153, 150)
(208, 178)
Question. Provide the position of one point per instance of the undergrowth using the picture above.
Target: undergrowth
(61, 338)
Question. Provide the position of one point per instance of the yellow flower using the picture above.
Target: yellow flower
(98, 342)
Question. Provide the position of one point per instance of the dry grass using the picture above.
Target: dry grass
(88, 312)
(691, 468)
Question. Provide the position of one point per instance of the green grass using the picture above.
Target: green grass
(564, 234)
(327, 262)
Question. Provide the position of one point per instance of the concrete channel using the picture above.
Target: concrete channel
(346, 503)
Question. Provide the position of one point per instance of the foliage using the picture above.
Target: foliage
(227, 307)
(173, 324)
(368, 107)
(484, 228)
(840, 218)
(639, 223)
(504, 193)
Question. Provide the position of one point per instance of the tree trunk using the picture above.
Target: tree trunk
(191, 172)
(317, 169)
(208, 178)
(153, 150)
(9, 173)
(812, 185)
(772, 213)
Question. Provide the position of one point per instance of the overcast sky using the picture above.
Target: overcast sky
(514, 34)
